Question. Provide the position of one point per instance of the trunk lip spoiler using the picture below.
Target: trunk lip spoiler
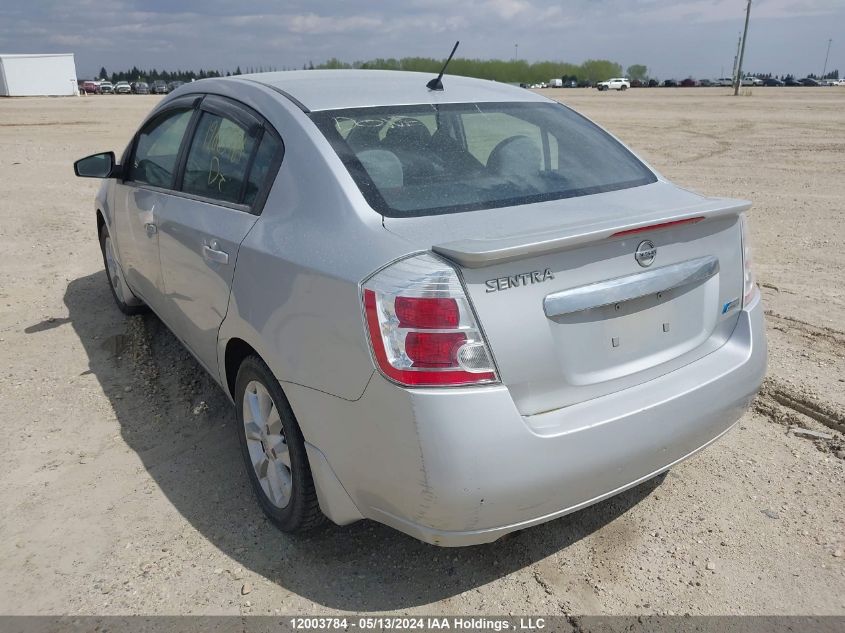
(477, 253)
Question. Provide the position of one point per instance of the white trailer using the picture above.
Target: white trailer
(556, 83)
(34, 75)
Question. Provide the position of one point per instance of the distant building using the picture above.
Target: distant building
(32, 75)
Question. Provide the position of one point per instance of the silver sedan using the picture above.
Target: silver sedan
(459, 311)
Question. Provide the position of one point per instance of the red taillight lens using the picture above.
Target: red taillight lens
(427, 313)
(427, 349)
(421, 327)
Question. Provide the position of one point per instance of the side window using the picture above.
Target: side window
(265, 159)
(554, 152)
(218, 159)
(158, 148)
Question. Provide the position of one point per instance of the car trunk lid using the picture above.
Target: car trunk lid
(571, 313)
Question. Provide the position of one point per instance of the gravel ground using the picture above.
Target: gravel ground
(122, 488)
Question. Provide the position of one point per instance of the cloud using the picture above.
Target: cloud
(674, 38)
(723, 10)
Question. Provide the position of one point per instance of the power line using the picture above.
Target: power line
(824, 71)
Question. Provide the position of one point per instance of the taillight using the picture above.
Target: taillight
(421, 327)
(748, 281)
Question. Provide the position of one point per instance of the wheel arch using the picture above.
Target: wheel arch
(334, 501)
(236, 351)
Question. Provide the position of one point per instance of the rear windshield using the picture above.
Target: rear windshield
(427, 159)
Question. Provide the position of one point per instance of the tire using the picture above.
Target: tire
(281, 478)
(126, 301)
(623, 87)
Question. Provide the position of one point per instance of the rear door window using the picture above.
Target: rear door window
(157, 149)
(263, 167)
(219, 159)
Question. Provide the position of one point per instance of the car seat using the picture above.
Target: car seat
(383, 167)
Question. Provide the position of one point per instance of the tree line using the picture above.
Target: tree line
(140, 74)
(833, 74)
(510, 71)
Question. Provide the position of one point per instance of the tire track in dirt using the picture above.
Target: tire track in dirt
(790, 405)
(796, 400)
(723, 146)
(813, 331)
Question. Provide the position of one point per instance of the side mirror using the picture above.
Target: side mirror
(97, 166)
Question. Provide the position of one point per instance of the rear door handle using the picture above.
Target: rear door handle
(212, 253)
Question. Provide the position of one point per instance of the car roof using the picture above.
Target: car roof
(336, 89)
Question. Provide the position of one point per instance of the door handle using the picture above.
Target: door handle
(212, 253)
(151, 229)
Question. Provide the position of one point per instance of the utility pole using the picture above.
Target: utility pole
(736, 57)
(824, 71)
(742, 50)
(516, 52)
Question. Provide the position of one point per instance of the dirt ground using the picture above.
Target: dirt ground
(122, 486)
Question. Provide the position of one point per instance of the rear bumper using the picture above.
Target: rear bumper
(460, 467)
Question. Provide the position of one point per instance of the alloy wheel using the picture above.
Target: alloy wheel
(267, 445)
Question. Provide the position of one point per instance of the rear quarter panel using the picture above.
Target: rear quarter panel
(295, 290)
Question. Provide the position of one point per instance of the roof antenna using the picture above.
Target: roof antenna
(436, 84)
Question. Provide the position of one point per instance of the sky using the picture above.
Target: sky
(675, 39)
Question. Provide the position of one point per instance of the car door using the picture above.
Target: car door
(142, 195)
(228, 167)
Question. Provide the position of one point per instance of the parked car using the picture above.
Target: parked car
(585, 83)
(122, 88)
(689, 82)
(617, 83)
(456, 380)
(752, 81)
(159, 87)
(706, 83)
(91, 87)
(670, 83)
(106, 88)
(141, 88)
(653, 83)
(637, 83)
(838, 82)
(725, 81)
(173, 85)
(809, 81)
(772, 81)
(791, 81)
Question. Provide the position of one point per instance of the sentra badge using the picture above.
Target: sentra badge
(520, 279)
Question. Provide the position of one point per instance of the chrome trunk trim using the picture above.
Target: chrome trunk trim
(630, 287)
